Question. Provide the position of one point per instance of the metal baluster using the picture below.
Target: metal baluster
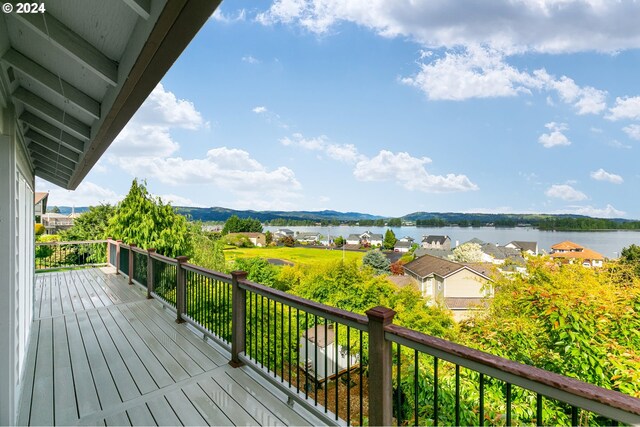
(315, 365)
(457, 409)
(481, 411)
(289, 346)
(539, 410)
(262, 331)
(268, 338)
(326, 360)
(282, 342)
(574, 416)
(360, 363)
(398, 402)
(416, 417)
(508, 391)
(435, 391)
(348, 375)
(306, 354)
(336, 327)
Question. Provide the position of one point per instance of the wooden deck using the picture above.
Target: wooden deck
(100, 353)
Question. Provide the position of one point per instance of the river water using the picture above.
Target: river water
(608, 243)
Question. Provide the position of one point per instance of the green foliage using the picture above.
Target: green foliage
(389, 239)
(238, 240)
(90, 225)
(287, 241)
(260, 271)
(207, 251)
(147, 222)
(268, 237)
(53, 209)
(566, 319)
(242, 225)
(377, 261)
(395, 222)
(39, 230)
(339, 241)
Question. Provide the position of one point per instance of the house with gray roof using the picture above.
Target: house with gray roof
(530, 248)
(436, 242)
(451, 284)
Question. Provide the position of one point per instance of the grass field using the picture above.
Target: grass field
(298, 256)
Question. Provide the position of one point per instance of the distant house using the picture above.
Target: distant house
(283, 232)
(440, 253)
(436, 242)
(402, 246)
(258, 239)
(499, 254)
(406, 239)
(530, 248)
(55, 222)
(570, 252)
(353, 239)
(460, 287)
(308, 237)
(40, 208)
(315, 339)
(372, 239)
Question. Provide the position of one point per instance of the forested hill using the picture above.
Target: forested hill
(424, 219)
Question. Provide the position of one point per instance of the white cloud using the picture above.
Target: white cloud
(603, 175)
(481, 72)
(347, 153)
(617, 144)
(551, 26)
(555, 137)
(87, 194)
(148, 132)
(625, 108)
(607, 212)
(565, 192)
(409, 172)
(270, 117)
(633, 131)
(176, 200)
(250, 59)
(219, 16)
(475, 72)
(228, 169)
(260, 109)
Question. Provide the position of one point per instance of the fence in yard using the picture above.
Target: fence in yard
(356, 370)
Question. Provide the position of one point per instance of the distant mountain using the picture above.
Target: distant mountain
(222, 214)
(453, 217)
(66, 210)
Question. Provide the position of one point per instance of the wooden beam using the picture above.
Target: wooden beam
(53, 132)
(141, 7)
(61, 162)
(71, 43)
(54, 113)
(52, 82)
(51, 178)
(42, 154)
(52, 145)
(176, 26)
(52, 169)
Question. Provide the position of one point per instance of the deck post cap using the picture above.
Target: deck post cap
(381, 314)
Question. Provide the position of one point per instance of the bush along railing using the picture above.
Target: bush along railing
(357, 370)
(54, 255)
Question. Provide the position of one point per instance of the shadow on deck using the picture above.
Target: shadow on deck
(101, 353)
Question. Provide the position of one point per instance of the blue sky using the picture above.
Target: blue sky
(391, 108)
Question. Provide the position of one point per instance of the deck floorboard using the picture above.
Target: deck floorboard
(100, 353)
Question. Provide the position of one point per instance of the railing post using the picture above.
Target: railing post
(181, 286)
(109, 242)
(131, 246)
(238, 317)
(380, 367)
(118, 256)
(150, 273)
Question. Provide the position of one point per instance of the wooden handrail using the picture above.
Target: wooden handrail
(569, 390)
(163, 258)
(349, 318)
(74, 242)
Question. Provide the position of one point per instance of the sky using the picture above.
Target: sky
(388, 108)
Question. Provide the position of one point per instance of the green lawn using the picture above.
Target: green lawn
(298, 256)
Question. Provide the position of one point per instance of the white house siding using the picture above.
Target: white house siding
(16, 263)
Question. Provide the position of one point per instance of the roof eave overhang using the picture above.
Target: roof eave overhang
(176, 26)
